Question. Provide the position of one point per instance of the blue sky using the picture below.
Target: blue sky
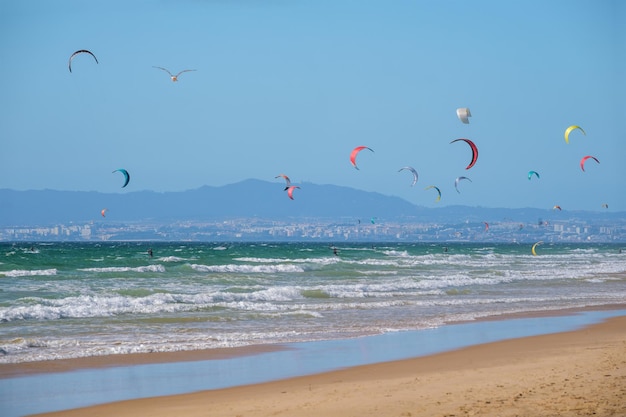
(293, 86)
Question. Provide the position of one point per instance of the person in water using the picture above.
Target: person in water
(150, 252)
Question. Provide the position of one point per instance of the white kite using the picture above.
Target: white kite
(463, 114)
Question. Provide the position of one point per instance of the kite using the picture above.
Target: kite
(287, 180)
(557, 208)
(474, 151)
(438, 192)
(104, 210)
(413, 171)
(80, 51)
(582, 161)
(531, 173)
(605, 206)
(569, 130)
(456, 183)
(290, 190)
(126, 176)
(463, 113)
(355, 152)
(534, 246)
(174, 77)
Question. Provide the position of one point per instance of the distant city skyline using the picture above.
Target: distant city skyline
(259, 210)
(252, 229)
(293, 87)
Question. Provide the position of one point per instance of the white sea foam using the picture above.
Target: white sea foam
(248, 268)
(147, 268)
(260, 293)
(29, 273)
(329, 260)
(171, 259)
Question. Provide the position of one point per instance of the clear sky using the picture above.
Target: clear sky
(287, 86)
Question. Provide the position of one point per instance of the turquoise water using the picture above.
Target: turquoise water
(65, 300)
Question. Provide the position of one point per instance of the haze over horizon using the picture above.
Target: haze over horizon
(292, 87)
(256, 200)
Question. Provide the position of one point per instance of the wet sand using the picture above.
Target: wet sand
(574, 373)
(11, 370)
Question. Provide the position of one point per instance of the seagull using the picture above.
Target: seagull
(173, 77)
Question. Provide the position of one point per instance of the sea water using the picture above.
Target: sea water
(69, 300)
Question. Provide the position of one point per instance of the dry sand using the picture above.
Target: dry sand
(580, 373)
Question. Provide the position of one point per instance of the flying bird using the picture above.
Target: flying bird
(174, 77)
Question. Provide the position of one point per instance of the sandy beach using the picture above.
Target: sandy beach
(577, 373)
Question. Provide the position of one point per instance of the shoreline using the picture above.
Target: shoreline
(577, 372)
(13, 370)
(52, 386)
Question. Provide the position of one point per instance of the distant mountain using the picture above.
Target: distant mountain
(245, 199)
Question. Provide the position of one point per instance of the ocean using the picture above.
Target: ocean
(69, 300)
